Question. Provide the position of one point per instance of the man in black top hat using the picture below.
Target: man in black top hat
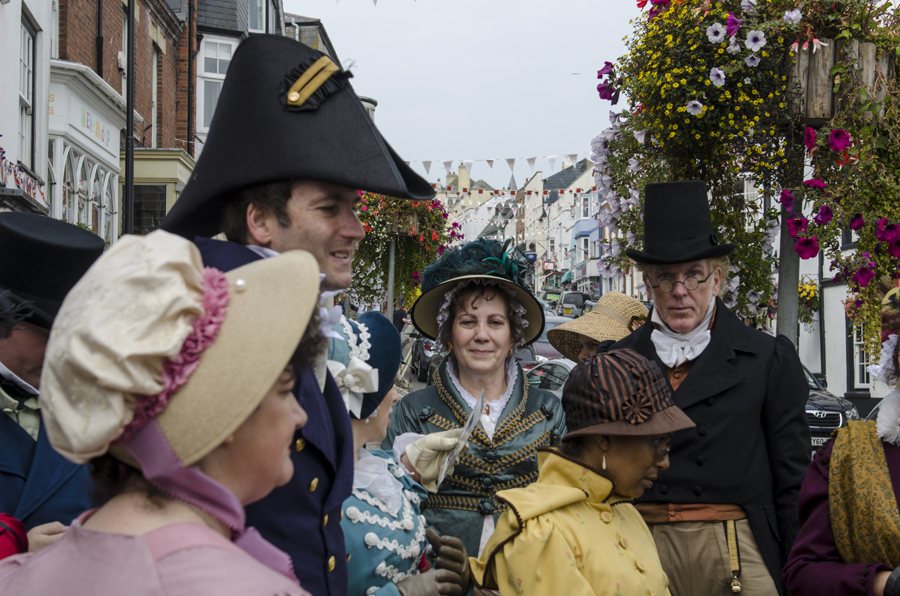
(41, 259)
(724, 515)
(289, 146)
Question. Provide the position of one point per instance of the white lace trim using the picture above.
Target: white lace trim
(885, 371)
(362, 350)
(394, 574)
(412, 551)
(519, 311)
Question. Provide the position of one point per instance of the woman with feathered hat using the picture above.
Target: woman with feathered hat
(849, 539)
(475, 303)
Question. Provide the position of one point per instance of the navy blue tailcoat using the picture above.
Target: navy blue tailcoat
(302, 518)
(37, 484)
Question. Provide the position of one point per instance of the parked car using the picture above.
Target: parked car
(550, 375)
(825, 411)
(423, 352)
(550, 297)
(571, 304)
(542, 346)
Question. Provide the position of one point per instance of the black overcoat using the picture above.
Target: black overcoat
(747, 394)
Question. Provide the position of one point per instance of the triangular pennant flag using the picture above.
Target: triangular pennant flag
(512, 163)
(427, 165)
(572, 157)
(468, 163)
(531, 161)
(448, 165)
(552, 160)
(490, 163)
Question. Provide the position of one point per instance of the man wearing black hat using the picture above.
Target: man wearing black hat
(41, 259)
(289, 145)
(724, 515)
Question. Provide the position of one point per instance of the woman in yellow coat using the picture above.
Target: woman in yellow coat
(574, 531)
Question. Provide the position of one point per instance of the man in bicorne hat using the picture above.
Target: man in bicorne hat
(289, 146)
(41, 259)
(724, 515)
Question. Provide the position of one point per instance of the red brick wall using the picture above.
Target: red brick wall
(77, 43)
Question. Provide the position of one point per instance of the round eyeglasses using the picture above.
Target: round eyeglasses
(661, 450)
(691, 283)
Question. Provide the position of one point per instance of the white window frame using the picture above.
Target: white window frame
(585, 247)
(553, 247)
(27, 42)
(585, 206)
(260, 6)
(861, 377)
(204, 76)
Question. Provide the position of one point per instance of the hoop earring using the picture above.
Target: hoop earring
(510, 350)
(604, 461)
(450, 347)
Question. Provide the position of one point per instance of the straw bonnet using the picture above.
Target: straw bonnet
(482, 262)
(148, 333)
(614, 317)
(366, 364)
(620, 393)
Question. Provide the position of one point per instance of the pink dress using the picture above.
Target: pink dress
(183, 559)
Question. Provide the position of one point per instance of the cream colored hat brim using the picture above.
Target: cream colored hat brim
(428, 306)
(597, 324)
(260, 334)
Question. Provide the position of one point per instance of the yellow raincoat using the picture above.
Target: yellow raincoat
(566, 534)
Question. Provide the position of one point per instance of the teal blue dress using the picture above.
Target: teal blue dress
(383, 547)
(532, 418)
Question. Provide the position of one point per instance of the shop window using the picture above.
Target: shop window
(26, 95)
(553, 247)
(585, 207)
(216, 55)
(149, 207)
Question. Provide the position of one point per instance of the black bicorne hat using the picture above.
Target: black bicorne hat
(287, 112)
(677, 225)
(41, 259)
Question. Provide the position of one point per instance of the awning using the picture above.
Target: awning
(566, 277)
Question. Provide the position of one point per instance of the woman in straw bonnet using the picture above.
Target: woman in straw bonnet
(574, 531)
(475, 303)
(613, 317)
(384, 530)
(849, 539)
(174, 382)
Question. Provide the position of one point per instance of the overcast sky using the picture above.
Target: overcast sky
(479, 79)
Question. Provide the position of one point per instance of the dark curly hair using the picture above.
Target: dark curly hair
(466, 299)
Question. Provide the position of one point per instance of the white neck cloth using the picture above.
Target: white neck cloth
(371, 474)
(674, 348)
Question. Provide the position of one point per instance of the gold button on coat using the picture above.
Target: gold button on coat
(330, 563)
(293, 96)
(313, 485)
(300, 444)
(342, 519)
(325, 520)
(348, 557)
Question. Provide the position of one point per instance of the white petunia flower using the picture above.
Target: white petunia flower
(694, 107)
(640, 135)
(717, 76)
(716, 33)
(752, 60)
(748, 5)
(792, 16)
(733, 46)
(755, 40)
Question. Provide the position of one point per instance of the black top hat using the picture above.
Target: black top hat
(677, 225)
(287, 112)
(41, 259)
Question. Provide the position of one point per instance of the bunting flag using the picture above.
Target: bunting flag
(448, 165)
(468, 163)
(552, 160)
(490, 163)
(531, 161)
(427, 165)
(573, 157)
(512, 163)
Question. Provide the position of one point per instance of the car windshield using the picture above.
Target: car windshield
(576, 299)
(810, 380)
(551, 296)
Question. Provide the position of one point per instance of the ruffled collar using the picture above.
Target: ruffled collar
(371, 474)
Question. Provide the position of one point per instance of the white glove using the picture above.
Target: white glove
(427, 455)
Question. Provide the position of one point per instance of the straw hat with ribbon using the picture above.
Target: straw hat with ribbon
(614, 317)
(159, 360)
(482, 262)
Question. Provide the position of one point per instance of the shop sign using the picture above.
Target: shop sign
(549, 265)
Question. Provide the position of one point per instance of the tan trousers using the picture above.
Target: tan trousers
(695, 557)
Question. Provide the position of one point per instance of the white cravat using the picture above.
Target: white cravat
(674, 348)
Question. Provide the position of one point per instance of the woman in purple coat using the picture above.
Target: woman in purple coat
(849, 540)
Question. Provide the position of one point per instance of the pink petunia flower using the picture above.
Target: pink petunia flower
(786, 199)
(809, 138)
(796, 225)
(807, 248)
(863, 276)
(887, 232)
(823, 216)
(733, 25)
(814, 183)
(857, 222)
(839, 139)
